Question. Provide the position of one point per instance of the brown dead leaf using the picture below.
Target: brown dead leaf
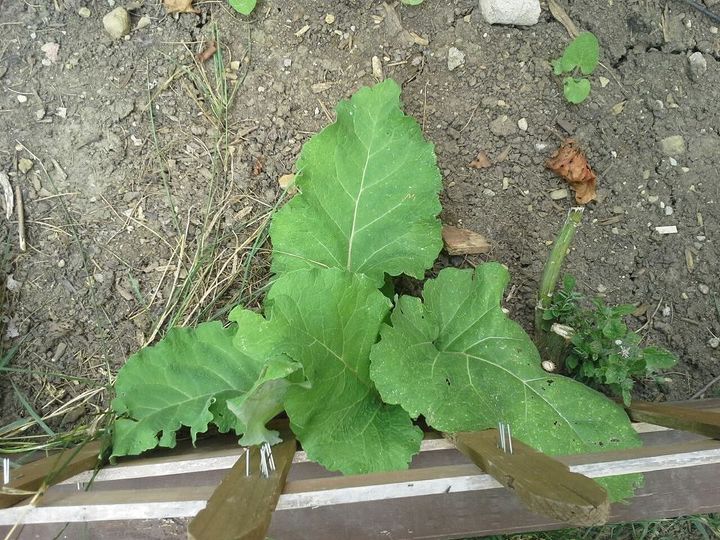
(481, 161)
(463, 241)
(207, 53)
(179, 6)
(258, 166)
(570, 164)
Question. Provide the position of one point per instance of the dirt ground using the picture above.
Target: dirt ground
(116, 196)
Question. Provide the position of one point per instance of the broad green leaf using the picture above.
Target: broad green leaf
(184, 380)
(576, 90)
(459, 361)
(329, 319)
(258, 339)
(657, 358)
(245, 7)
(583, 52)
(264, 401)
(368, 199)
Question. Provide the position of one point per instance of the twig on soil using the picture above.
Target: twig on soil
(425, 105)
(561, 16)
(470, 119)
(21, 218)
(651, 317)
(704, 10)
(705, 388)
(325, 110)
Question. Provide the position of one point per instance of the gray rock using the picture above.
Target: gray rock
(673, 145)
(520, 12)
(502, 126)
(456, 58)
(117, 23)
(704, 288)
(714, 342)
(697, 65)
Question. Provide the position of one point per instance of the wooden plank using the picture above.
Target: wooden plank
(702, 421)
(492, 512)
(46, 471)
(666, 494)
(544, 484)
(242, 506)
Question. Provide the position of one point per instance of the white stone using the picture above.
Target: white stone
(523, 124)
(143, 22)
(520, 12)
(698, 65)
(117, 23)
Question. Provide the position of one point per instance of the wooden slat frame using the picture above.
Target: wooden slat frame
(368, 498)
(67, 506)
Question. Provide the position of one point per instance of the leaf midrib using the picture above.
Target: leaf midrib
(368, 149)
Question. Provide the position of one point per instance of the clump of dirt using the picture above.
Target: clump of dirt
(131, 161)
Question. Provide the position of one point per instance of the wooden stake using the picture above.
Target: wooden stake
(544, 484)
(241, 507)
(703, 422)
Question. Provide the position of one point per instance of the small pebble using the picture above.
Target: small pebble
(667, 311)
(329, 18)
(604, 82)
(25, 165)
(523, 124)
(673, 145)
(714, 342)
(697, 65)
(21, 98)
(456, 58)
(558, 194)
(84, 12)
(668, 211)
(143, 22)
(704, 288)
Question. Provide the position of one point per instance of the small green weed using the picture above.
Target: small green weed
(245, 7)
(604, 351)
(583, 53)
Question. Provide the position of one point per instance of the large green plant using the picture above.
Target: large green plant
(351, 371)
